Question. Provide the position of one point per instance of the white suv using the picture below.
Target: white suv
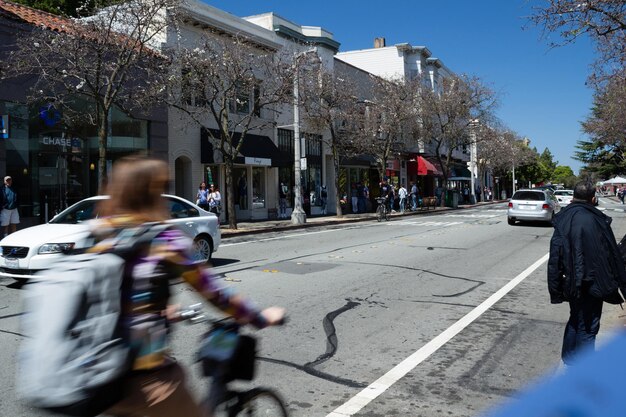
(27, 251)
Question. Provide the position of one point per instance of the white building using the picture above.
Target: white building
(402, 62)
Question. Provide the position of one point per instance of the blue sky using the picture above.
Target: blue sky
(542, 91)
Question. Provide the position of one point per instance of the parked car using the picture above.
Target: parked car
(532, 205)
(27, 251)
(564, 197)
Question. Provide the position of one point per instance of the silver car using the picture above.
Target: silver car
(532, 205)
(29, 250)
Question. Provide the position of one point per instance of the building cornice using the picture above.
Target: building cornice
(285, 31)
(207, 17)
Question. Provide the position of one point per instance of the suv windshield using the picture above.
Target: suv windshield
(81, 212)
(529, 196)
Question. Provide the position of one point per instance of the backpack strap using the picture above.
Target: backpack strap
(144, 235)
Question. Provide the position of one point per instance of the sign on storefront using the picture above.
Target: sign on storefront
(258, 161)
(4, 126)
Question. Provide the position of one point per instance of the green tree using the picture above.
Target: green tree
(563, 175)
(547, 165)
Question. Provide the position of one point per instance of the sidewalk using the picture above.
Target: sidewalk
(252, 227)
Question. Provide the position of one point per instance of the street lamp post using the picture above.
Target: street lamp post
(298, 215)
(473, 127)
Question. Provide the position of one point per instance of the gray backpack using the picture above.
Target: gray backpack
(74, 355)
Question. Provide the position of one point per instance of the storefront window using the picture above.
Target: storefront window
(258, 187)
(240, 176)
(54, 162)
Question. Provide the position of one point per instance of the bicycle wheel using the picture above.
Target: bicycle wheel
(261, 402)
(380, 212)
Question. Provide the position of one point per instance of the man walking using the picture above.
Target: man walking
(585, 268)
(402, 195)
(414, 196)
(9, 217)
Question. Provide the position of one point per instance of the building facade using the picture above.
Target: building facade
(54, 164)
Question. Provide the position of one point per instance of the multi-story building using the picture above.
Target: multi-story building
(54, 164)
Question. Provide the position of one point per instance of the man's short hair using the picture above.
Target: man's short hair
(584, 190)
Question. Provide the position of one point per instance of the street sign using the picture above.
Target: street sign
(303, 164)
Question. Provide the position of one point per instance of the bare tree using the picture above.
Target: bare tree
(390, 125)
(334, 105)
(495, 150)
(447, 113)
(604, 21)
(88, 66)
(229, 86)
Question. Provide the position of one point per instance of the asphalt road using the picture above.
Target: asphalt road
(451, 310)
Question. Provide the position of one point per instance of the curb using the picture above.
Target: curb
(227, 233)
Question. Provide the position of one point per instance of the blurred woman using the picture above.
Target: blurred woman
(156, 386)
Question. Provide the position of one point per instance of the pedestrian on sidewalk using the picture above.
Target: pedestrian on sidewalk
(354, 196)
(621, 193)
(202, 197)
(9, 216)
(585, 268)
(215, 200)
(414, 196)
(402, 196)
(323, 199)
(282, 201)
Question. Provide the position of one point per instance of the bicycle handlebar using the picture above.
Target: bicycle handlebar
(194, 314)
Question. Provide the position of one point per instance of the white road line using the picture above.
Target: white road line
(383, 383)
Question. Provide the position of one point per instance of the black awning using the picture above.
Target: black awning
(360, 160)
(255, 150)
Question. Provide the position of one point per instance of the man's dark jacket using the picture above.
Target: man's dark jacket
(583, 248)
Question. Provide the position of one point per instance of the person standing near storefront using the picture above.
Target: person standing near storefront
(282, 201)
(324, 198)
(402, 195)
(9, 217)
(202, 199)
(215, 200)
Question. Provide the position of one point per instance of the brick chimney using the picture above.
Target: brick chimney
(379, 42)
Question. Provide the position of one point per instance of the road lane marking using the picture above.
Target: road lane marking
(382, 384)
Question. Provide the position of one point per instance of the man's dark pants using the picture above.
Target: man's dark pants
(583, 324)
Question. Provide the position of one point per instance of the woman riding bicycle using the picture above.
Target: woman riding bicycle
(156, 384)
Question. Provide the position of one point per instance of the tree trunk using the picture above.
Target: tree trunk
(337, 191)
(230, 192)
(103, 130)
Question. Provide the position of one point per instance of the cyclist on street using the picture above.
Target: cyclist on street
(386, 191)
(156, 385)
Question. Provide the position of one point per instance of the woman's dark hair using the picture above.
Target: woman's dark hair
(135, 189)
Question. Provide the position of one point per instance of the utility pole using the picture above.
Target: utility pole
(298, 215)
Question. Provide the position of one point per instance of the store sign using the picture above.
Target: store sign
(4, 126)
(56, 141)
(258, 161)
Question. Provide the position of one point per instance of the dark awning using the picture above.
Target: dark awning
(461, 172)
(255, 150)
(360, 160)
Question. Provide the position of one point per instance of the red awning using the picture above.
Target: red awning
(425, 167)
